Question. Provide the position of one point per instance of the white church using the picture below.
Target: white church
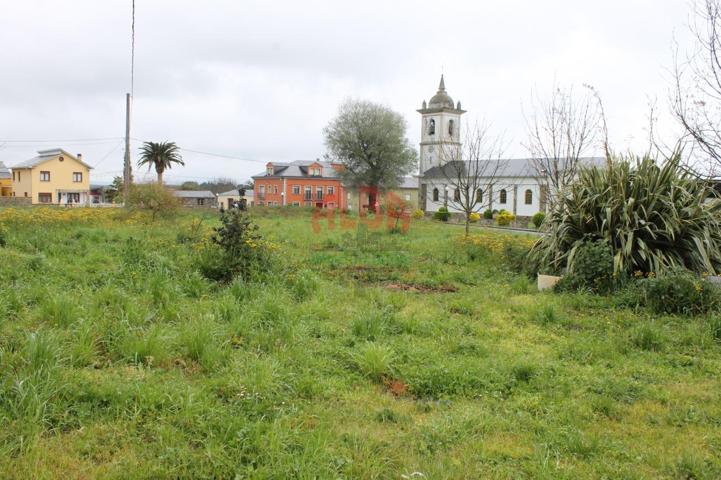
(515, 187)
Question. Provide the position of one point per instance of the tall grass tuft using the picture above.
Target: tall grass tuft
(374, 361)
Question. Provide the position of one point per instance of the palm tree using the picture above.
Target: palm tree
(161, 155)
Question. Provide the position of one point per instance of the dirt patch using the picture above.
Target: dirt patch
(410, 287)
(396, 387)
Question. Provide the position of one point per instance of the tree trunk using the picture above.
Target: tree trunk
(160, 178)
(468, 223)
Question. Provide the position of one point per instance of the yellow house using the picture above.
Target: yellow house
(6, 182)
(53, 177)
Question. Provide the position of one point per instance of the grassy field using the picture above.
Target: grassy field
(363, 355)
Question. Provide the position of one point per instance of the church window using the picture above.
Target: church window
(432, 127)
(435, 194)
(529, 197)
(479, 195)
(456, 195)
(503, 197)
(450, 127)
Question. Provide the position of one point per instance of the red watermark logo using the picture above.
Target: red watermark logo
(391, 211)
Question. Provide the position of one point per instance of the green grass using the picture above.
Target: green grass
(362, 354)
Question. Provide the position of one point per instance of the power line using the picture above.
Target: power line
(220, 155)
(74, 141)
(108, 154)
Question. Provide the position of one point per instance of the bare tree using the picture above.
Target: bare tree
(472, 172)
(562, 130)
(696, 97)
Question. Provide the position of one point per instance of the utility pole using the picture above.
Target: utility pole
(127, 169)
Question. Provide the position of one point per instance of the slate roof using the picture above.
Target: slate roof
(298, 169)
(193, 194)
(409, 182)
(45, 155)
(4, 171)
(512, 167)
(234, 193)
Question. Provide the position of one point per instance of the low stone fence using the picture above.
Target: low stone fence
(15, 201)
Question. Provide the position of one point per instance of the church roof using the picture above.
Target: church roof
(504, 168)
(441, 99)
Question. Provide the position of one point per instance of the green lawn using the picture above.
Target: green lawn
(364, 355)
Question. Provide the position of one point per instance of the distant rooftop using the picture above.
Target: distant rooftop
(193, 194)
(234, 193)
(299, 169)
(4, 171)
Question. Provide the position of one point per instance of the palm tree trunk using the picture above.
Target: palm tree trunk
(160, 178)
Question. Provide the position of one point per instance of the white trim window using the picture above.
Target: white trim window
(77, 177)
(44, 176)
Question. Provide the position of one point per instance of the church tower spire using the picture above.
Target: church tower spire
(440, 129)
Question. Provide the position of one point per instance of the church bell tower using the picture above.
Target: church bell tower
(440, 129)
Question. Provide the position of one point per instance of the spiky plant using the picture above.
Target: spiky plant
(653, 216)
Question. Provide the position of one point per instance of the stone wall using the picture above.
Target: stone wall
(15, 201)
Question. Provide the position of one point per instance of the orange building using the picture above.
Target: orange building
(300, 183)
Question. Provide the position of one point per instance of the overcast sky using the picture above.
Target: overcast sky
(258, 80)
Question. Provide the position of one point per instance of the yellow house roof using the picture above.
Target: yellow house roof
(47, 155)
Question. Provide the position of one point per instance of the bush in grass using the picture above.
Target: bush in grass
(538, 219)
(504, 218)
(236, 249)
(442, 214)
(681, 292)
(654, 215)
(156, 199)
(418, 214)
(3, 237)
(488, 214)
(374, 361)
(515, 257)
(591, 268)
(474, 217)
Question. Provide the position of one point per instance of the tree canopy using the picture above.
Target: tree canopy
(370, 141)
(161, 155)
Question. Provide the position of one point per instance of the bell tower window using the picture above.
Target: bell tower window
(432, 127)
(450, 127)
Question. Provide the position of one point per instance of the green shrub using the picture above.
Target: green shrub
(418, 214)
(681, 292)
(590, 268)
(505, 218)
(515, 256)
(442, 214)
(156, 199)
(538, 219)
(236, 250)
(653, 215)
(3, 237)
(488, 214)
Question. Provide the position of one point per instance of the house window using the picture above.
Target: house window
(435, 194)
(296, 204)
(77, 177)
(201, 202)
(456, 195)
(45, 197)
(275, 188)
(503, 197)
(529, 197)
(432, 127)
(44, 176)
(275, 204)
(331, 190)
(319, 193)
(407, 197)
(308, 193)
(73, 198)
(315, 171)
(296, 189)
(261, 190)
(479, 195)
(450, 127)
(269, 170)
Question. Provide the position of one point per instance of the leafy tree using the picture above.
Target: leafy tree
(156, 199)
(115, 190)
(370, 141)
(189, 186)
(161, 155)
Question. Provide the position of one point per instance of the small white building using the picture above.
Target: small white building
(229, 198)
